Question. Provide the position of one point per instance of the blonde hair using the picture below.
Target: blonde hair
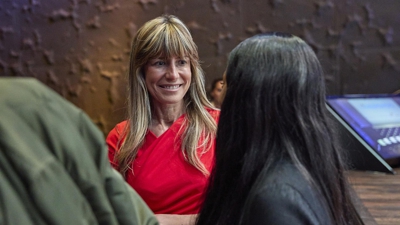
(167, 36)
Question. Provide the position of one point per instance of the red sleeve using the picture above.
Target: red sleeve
(114, 140)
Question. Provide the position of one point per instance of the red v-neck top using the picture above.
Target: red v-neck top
(162, 177)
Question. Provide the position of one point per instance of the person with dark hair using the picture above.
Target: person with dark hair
(277, 158)
(216, 92)
(165, 147)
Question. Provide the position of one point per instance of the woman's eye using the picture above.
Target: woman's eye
(182, 62)
(159, 63)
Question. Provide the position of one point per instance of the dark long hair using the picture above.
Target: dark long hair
(274, 109)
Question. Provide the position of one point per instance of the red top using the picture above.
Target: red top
(162, 177)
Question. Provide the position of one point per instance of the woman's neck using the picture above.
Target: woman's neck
(163, 116)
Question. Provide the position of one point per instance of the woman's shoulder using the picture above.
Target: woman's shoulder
(121, 125)
(213, 112)
(118, 129)
(285, 188)
(284, 175)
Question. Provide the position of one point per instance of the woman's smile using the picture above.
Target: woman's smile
(168, 79)
(170, 87)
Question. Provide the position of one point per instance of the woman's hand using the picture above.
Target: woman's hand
(174, 219)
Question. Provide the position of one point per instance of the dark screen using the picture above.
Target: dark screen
(375, 118)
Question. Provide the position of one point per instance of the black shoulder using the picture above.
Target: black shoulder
(284, 196)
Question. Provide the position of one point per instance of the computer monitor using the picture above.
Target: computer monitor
(369, 128)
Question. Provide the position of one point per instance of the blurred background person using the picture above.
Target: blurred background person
(216, 92)
(277, 158)
(165, 147)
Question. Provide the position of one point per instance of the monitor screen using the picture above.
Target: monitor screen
(375, 118)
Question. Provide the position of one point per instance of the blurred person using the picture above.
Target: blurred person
(216, 92)
(54, 167)
(165, 147)
(277, 158)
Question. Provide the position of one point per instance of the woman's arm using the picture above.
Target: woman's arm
(173, 219)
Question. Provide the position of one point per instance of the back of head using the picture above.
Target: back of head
(274, 108)
(275, 83)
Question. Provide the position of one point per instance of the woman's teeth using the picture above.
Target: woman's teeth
(171, 86)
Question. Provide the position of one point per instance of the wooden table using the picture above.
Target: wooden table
(378, 196)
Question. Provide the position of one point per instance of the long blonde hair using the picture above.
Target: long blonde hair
(168, 36)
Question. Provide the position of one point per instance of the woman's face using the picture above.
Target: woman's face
(168, 80)
(224, 87)
(216, 93)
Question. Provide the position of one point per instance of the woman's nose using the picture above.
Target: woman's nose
(172, 72)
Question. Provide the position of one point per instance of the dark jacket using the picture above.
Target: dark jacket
(282, 196)
(53, 163)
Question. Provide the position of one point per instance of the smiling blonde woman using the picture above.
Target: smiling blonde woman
(165, 148)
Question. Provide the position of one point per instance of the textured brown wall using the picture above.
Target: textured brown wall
(80, 48)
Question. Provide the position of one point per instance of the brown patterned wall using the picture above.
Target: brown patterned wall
(80, 48)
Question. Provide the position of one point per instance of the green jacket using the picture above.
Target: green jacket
(53, 163)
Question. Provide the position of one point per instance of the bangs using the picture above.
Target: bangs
(172, 41)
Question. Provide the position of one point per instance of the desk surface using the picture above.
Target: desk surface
(379, 194)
